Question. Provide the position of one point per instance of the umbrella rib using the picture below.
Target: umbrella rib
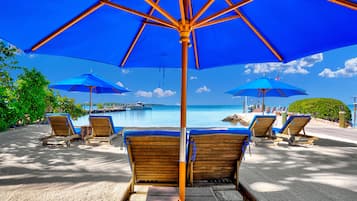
(345, 3)
(163, 12)
(217, 21)
(260, 36)
(67, 25)
(194, 41)
(140, 14)
(137, 36)
(220, 13)
(200, 12)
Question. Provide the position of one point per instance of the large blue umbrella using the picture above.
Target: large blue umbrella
(264, 87)
(146, 33)
(88, 83)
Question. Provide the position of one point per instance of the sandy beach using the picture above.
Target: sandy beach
(30, 171)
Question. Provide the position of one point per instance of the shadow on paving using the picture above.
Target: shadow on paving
(325, 171)
(23, 160)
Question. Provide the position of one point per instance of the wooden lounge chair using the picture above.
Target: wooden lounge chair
(103, 129)
(215, 155)
(62, 130)
(153, 157)
(291, 130)
(261, 127)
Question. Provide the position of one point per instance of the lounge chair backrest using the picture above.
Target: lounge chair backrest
(153, 156)
(261, 125)
(61, 124)
(102, 125)
(216, 154)
(295, 124)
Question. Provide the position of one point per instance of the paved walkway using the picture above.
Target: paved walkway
(326, 171)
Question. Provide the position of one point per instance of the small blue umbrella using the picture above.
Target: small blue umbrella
(266, 87)
(88, 83)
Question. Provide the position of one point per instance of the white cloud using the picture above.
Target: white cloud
(120, 84)
(163, 93)
(298, 66)
(146, 94)
(193, 77)
(203, 89)
(158, 92)
(125, 71)
(349, 70)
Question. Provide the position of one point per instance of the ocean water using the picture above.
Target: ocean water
(169, 116)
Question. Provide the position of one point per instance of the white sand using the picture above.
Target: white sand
(30, 171)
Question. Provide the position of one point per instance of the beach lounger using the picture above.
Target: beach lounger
(261, 127)
(103, 129)
(153, 157)
(215, 155)
(62, 129)
(291, 130)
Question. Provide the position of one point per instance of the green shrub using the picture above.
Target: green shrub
(324, 108)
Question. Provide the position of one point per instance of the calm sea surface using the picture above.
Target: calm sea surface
(166, 115)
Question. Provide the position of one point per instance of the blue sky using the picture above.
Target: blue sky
(329, 74)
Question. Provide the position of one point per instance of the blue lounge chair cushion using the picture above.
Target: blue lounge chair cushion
(117, 130)
(212, 131)
(260, 116)
(291, 118)
(150, 133)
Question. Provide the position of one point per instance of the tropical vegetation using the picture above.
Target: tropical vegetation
(324, 108)
(27, 99)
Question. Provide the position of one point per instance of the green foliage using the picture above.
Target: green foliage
(8, 109)
(324, 108)
(31, 91)
(27, 99)
(100, 105)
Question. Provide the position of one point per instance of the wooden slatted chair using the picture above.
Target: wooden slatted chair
(291, 130)
(103, 129)
(215, 155)
(62, 130)
(261, 127)
(153, 157)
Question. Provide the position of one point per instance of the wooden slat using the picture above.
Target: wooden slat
(216, 155)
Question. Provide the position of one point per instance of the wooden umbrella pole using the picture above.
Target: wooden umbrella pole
(90, 99)
(182, 171)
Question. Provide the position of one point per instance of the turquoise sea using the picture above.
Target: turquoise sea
(169, 115)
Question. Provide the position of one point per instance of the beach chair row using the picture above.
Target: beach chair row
(63, 132)
(212, 156)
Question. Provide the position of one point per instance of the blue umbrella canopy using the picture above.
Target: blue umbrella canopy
(257, 31)
(88, 83)
(266, 87)
(151, 33)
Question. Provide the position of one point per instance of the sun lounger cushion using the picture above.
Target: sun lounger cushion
(212, 131)
(150, 133)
